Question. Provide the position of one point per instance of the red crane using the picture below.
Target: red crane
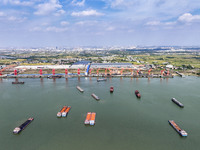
(53, 71)
(41, 72)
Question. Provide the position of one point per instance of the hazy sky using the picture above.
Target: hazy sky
(99, 22)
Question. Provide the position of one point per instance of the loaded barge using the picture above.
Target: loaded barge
(65, 113)
(95, 97)
(80, 89)
(177, 128)
(17, 130)
(87, 120)
(59, 114)
(177, 102)
(90, 118)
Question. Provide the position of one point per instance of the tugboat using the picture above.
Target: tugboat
(111, 89)
(17, 130)
(137, 94)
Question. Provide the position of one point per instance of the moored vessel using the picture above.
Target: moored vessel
(177, 102)
(137, 94)
(17, 130)
(17, 82)
(99, 80)
(177, 128)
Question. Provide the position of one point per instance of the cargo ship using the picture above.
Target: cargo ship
(17, 130)
(80, 89)
(137, 94)
(95, 97)
(177, 128)
(88, 117)
(16, 82)
(111, 89)
(59, 114)
(177, 102)
(92, 120)
(64, 114)
(99, 80)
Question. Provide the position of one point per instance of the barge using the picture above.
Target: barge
(95, 97)
(64, 114)
(111, 89)
(88, 117)
(80, 89)
(17, 82)
(177, 128)
(92, 120)
(99, 80)
(59, 114)
(17, 130)
(177, 102)
(137, 94)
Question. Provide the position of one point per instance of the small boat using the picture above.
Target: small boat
(99, 80)
(92, 120)
(64, 114)
(95, 97)
(17, 130)
(88, 117)
(59, 114)
(79, 88)
(54, 76)
(177, 102)
(111, 89)
(137, 94)
(177, 128)
(17, 82)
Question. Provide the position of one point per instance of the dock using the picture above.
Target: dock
(80, 89)
(95, 96)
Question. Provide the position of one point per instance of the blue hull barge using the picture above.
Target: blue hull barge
(177, 128)
(95, 97)
(17, 130)
(177, 102)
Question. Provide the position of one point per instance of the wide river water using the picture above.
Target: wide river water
(123, 122)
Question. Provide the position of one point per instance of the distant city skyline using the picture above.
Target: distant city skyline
(72, 23)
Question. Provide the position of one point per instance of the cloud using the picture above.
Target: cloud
(153, 23)
(2, 14)
(18, 2)
(188, 18)
(64, 23)
(56, 29)
(49, 7)
(90, 12)
(78, 3)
